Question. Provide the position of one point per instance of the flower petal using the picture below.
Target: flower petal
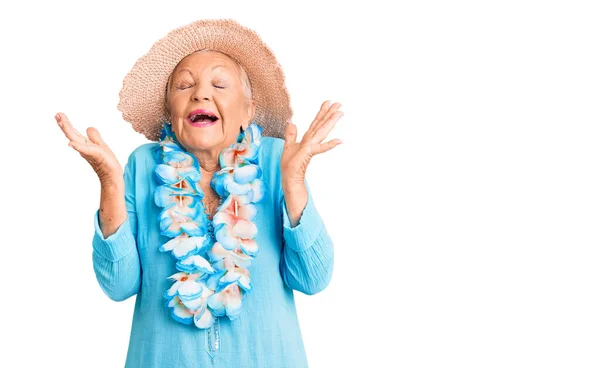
(258, 190)
(189, 172)
(183, 246)
(212, 281)
(247, 153)
(238, 189)
(246, 174)
(243, 260)
(220, 180)
(204, 318)
(179, 312)
(177, 158)
(172, 291)
(252, 134)
(224, 218)
(166, 174)
(192, 228)
(234, 301)
(189, 290)
(249, 247)
(216, 303)
(225, 236)
(246, 211)
(195, 264)
(230, 277)
(217, 252)
(227, 157)
(245, 229)
(244, 283)
(194, 304)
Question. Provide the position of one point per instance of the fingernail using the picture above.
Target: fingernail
(70, 145)
(57, 117)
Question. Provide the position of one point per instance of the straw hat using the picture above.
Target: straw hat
(142, 98)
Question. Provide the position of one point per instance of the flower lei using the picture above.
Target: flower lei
(213, 257)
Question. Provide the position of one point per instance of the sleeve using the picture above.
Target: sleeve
(115, 259)
(307, 259)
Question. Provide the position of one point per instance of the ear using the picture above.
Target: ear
(167, 105)
(250, 111)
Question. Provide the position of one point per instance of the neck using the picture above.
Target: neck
(209, 163)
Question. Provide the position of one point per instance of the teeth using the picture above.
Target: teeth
(196, 117)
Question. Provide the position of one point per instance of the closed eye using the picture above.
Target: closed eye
(216, 86)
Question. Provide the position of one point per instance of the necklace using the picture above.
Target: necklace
(213, 257)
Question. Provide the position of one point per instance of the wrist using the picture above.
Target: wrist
(112, 184)
(291, 184)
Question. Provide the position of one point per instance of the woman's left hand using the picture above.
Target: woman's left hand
(296, 156)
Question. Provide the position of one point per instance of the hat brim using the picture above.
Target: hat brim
(142, 97)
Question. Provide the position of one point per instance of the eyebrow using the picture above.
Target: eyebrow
(187, 70)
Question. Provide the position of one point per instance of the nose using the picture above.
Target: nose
(201, 93)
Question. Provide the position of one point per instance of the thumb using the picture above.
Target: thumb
(291, 132)
(94, 135)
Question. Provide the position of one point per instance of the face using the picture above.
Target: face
(210, 81)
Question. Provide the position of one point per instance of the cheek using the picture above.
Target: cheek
(177, 105)
(233, 108)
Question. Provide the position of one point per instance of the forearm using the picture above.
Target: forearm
(307, 259)
(296, 198)
(113, 211)
(119, 280)
(311, 270)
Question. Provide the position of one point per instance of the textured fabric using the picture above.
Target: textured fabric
(267, 333)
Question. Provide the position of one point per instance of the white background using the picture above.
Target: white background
(464, 203)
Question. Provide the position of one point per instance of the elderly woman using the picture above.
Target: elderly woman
(212, 225)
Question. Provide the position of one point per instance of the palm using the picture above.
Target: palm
(297, 155)
(93, 149)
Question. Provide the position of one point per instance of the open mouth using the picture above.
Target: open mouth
(202, 117)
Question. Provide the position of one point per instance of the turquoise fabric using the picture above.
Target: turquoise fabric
(267, 334)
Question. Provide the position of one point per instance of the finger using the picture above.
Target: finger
(318, 119)
(94, 135)
(82, 148)
(68, 129)
(325, 128)
(332, 110)
(291, 133)
(323, 110)
(324, 147)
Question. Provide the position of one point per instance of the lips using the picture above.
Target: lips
(202, 117)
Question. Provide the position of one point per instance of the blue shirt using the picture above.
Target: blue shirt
(267, 333)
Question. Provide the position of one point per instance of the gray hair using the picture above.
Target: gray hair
(242, 73)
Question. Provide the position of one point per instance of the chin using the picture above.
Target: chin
(205, 142)
(199, 138)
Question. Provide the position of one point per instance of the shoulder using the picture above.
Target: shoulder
(271, 147)
(143, 151)
(269, 160)
(143, 157)
(270, 152)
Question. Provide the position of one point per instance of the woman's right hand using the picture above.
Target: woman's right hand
(94, 150)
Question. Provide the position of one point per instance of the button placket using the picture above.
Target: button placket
(213, 342)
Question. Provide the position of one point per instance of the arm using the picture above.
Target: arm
(115, 257)
(307, 256)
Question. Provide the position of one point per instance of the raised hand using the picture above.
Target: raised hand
(94, 150)
(297, 155)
